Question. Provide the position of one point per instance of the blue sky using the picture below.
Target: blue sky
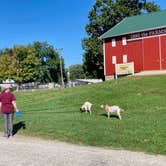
(61, 23)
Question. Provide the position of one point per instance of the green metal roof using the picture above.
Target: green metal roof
(137, 23)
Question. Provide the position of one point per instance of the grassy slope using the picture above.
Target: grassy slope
(55, 114)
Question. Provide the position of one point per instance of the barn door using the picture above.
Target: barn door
(151, 60)
(135, 54)
(163, 51)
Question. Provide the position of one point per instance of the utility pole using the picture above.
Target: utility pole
(59, 51)
(68, 78)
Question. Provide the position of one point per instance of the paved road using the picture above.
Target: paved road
(26, 151)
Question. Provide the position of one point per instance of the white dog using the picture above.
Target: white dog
(112, 109)
(86, 107)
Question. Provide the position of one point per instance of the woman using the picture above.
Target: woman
(8, 104)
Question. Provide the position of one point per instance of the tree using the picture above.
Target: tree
(30, 63)
(6, 67)
(26, 64)
(19, 64)
(50, 62)
(103, 16)
(76, 72)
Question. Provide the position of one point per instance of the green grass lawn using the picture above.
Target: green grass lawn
(54, 114)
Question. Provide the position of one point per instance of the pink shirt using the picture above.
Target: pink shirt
(6, 100)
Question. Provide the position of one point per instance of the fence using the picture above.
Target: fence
(37, 85)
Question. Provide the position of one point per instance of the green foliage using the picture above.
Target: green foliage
(55, 114)
(26, 64)
(30, 63)
(50, 60)
(76, 72)
(151, 7)
(103, 16)
(92, 58)
(7, 67)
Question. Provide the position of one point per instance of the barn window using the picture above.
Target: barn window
(113, 43)
(124, 58)
(113, 59)
(124, 42)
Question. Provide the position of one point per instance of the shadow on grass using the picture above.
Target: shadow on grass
(65, 112)
(111, 116)
(51, 112)
(18, 126)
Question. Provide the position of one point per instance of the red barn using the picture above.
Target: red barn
(140, 39)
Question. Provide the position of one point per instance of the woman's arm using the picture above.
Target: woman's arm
(0, 106)
(15, 105)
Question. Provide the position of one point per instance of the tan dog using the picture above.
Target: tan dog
(86, 107)
(112, 109)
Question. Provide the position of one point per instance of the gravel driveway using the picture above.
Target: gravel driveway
(26, 151)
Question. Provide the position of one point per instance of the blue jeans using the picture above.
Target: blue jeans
(8, 124)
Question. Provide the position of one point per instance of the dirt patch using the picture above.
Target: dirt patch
(27, 151)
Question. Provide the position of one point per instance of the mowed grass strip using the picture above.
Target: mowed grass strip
(54, 114)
